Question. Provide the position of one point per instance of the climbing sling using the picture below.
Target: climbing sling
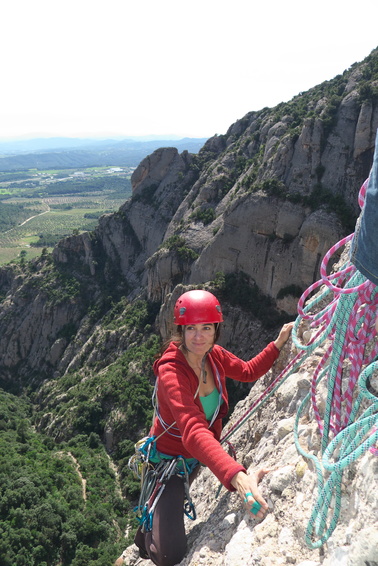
(155, 469)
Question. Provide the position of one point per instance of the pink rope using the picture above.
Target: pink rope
(261, 398)
(326, 279)
(356, 339)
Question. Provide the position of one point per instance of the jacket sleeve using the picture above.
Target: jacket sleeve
(197, 439)
(252, 370)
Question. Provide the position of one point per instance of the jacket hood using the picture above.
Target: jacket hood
(172, 353)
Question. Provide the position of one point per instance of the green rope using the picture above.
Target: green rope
(359, 435)
(351, 447)
(351, 442)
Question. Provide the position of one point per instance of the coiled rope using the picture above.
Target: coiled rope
(346, 322)
(346, 436)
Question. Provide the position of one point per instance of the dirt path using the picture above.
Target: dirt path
(31, 218)
(83, 480)
(28, 219)
(77, 468)
(116, 474)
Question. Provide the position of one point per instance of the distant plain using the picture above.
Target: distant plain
(39, 207)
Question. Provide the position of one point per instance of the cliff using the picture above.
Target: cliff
(266, 201)
(249, 217)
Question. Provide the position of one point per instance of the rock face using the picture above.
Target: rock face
(237, 219)
(125, 240)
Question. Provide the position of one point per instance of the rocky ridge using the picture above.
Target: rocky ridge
(265, 201)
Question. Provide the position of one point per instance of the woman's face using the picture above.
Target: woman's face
(199, 338)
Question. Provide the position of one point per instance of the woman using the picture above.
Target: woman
(191, 400)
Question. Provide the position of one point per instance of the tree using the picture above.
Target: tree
(22, 431)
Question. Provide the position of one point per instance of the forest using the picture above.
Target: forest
(61, 499)
(47, 515)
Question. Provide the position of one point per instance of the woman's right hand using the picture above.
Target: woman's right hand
(247, 487)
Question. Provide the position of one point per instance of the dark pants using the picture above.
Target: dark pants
(364, 249)
(166, 543)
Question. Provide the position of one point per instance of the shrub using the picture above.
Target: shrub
(178, 245)
(293, 290)
(206, 215)
(238, 289)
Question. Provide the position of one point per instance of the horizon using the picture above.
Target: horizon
(100, 137)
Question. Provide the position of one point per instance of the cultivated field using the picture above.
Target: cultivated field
(38, 208)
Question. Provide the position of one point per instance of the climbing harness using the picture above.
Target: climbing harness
(155, 469)
(347, 304)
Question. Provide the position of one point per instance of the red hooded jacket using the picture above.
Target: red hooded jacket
(176, 387)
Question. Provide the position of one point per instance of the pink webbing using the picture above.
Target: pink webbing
(362, 193)
(374, 450)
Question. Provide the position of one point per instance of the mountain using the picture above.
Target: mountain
(13, 146)
(48, 153)
(16, 146)
(264, 430)
(250, 217)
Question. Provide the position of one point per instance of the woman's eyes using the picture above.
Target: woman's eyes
(203, 328)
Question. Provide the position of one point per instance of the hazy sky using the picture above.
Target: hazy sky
(141, 67)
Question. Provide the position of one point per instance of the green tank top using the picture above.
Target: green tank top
(210, 403)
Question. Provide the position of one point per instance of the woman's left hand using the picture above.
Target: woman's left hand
(247, 487)
(284, 335)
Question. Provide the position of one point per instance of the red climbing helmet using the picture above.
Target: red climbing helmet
(196, 307)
